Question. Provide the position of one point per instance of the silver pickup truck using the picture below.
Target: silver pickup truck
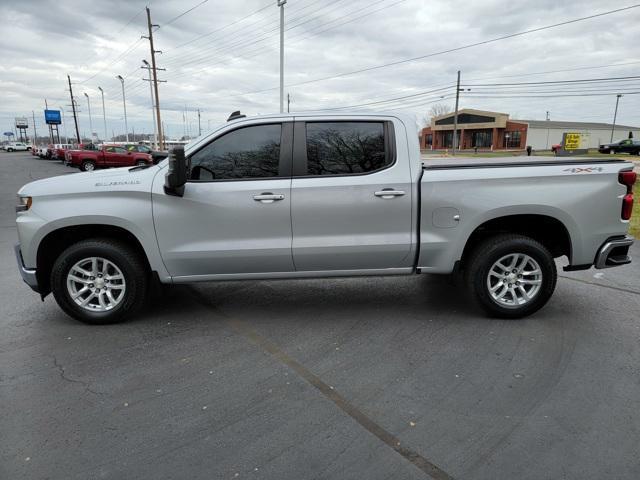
(323, 195)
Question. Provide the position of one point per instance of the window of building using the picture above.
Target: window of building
(250, 152)
(464, 118)
(482, 138)
(342, 148)
(512, 139)
(447, 139)
(429, 139)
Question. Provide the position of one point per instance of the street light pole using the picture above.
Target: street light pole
(281, 5)
(147, 66)
(90, 122)
(64, 125)
(615, 114)
(124, 104)
(454, 142)
(104, 114)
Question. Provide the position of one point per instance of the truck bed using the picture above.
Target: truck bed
(435, 163)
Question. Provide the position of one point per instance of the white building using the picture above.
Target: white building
(541, 134)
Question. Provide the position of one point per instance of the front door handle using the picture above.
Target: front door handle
(268, 197)
(389, 193)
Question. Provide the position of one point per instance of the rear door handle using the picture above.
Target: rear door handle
(268, 197)
(389, 193)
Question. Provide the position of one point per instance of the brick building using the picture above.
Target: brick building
(494, 130)
(476, 128)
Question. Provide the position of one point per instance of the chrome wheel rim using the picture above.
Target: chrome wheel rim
(88, 167)
(96, 284)
(514, 280)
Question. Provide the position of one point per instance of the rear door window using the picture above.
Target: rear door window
(346, 148)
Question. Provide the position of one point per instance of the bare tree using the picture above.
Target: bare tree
(435, 111)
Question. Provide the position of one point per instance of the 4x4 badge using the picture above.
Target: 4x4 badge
(583, 170)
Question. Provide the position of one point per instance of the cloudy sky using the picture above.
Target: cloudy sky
(223, 56)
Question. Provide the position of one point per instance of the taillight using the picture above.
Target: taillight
(628, 179)
(627, 206)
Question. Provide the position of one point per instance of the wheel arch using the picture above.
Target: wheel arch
(546, 229)
(56, 241)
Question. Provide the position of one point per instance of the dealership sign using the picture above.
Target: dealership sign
(573, 143)
(52, 117)
(21, 122)
(8, 134)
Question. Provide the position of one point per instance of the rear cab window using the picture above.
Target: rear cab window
(346, 148)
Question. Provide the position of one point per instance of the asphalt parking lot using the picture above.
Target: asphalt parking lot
(367, 378)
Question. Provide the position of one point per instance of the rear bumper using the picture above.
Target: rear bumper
(614, 252)
(28, 275)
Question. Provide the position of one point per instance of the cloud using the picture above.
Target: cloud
(43, 41)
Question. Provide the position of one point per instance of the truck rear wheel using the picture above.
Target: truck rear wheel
(511, 276)
(99, 281)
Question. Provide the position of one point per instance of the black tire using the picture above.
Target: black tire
(493, 249)
(88, 166)
(9, 149)
(133, 268)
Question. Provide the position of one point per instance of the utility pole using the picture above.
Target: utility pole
(124, 104)
(548, 118)
(199, 127)
(281, 5)
(455, 116)
(288, 102)
(615, 114)
(155, 78)
(73, 106)
(104, 114)
(90, 121)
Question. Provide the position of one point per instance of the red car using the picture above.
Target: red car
(107, 156)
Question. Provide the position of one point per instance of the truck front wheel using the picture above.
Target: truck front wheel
(511, 276)
(88, 166)
(99, 281)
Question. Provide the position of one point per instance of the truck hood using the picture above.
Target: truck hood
(115, 179)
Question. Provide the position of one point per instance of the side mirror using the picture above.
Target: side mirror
(176, 177)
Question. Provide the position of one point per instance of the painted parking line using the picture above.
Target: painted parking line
(329, 392)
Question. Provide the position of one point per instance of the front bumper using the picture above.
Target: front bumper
(28, 275)
(614, 252)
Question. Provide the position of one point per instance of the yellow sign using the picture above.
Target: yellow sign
(572, 141)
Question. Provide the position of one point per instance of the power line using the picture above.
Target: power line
(549, 82)
(450, 50)
(548, 96)
(243, 44)
(222, 28)
(183, 13)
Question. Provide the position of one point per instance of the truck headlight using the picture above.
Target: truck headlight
(24, 204)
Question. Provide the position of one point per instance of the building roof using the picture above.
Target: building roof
(472, 111)
(576, 125)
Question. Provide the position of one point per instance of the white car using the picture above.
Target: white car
(16, 147)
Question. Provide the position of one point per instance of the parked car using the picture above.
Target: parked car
(42, 151)
(157, 155)
(59, 150)
(79, 147)
(106, 156)
(322, 195)
(623, 146)
(16, 147)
